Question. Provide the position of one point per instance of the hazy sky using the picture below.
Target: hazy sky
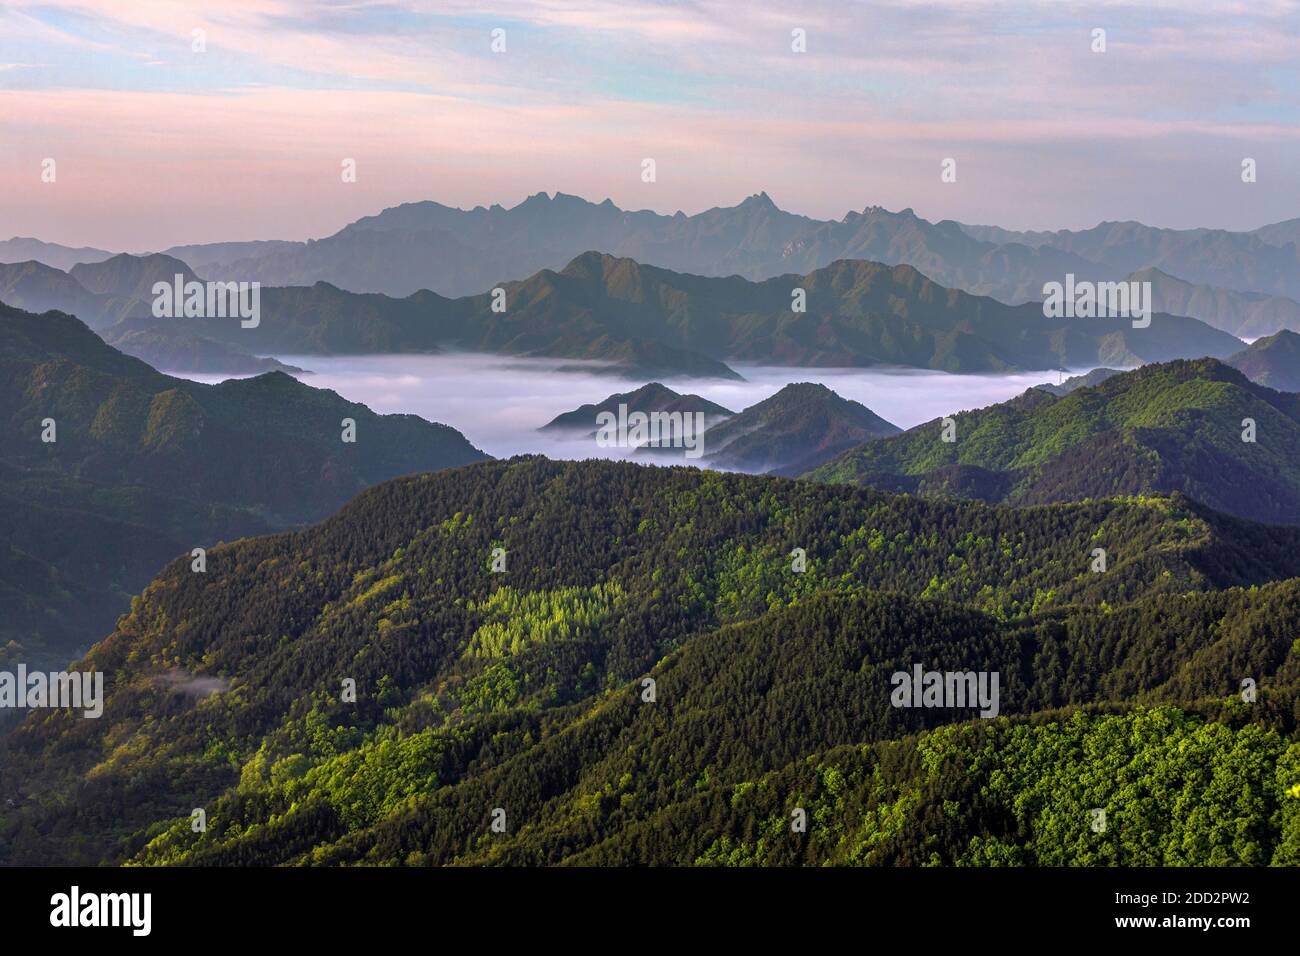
(156, 144)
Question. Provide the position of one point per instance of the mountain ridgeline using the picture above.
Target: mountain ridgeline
(649, 322)
(1075, 382)
(160, 344)
(600, 307)
(801, 426)
(1261, 262)
(1244, 283)
(525, 690)
(456, 252)
(654, 397)
(1273, 361)
(1244, 314)
(109, 468)
(1200, 428)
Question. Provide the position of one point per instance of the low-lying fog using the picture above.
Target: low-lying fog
(499, 402)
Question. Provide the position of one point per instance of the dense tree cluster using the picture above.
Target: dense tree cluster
(523, 689)
(1179, 426)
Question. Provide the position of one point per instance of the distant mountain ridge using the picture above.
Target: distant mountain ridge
(1242, 261)
(426, 245)
(800, 426)
(1074, 382)
(100, 293)
(1273, 362)
(36, 287)
(1244, 314)
(650, 323)
(131, 277)
(160, 344)
(23, 249)
(456, 252)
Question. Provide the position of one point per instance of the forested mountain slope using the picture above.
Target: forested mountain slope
(1179, 426)
(799, 427)
(1273, 361)
(108, 468)
(522, 689)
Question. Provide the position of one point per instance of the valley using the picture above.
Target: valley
(499, 403)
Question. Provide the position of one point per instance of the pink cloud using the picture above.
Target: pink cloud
(1046, 133)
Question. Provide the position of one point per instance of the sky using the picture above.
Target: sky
(160, 139)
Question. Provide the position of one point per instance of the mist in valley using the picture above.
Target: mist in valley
(500, 402)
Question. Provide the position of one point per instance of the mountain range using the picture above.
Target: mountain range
(159, 343)
(1273, 361)
(114, 296)
(393, 650)
(109, 468)
(1243, 314)
(648, 322)
(454, 252)
(1181, 426)
(801, 426)
(36, 287)
(1262, 261)
(651, 680)
(25, 249)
